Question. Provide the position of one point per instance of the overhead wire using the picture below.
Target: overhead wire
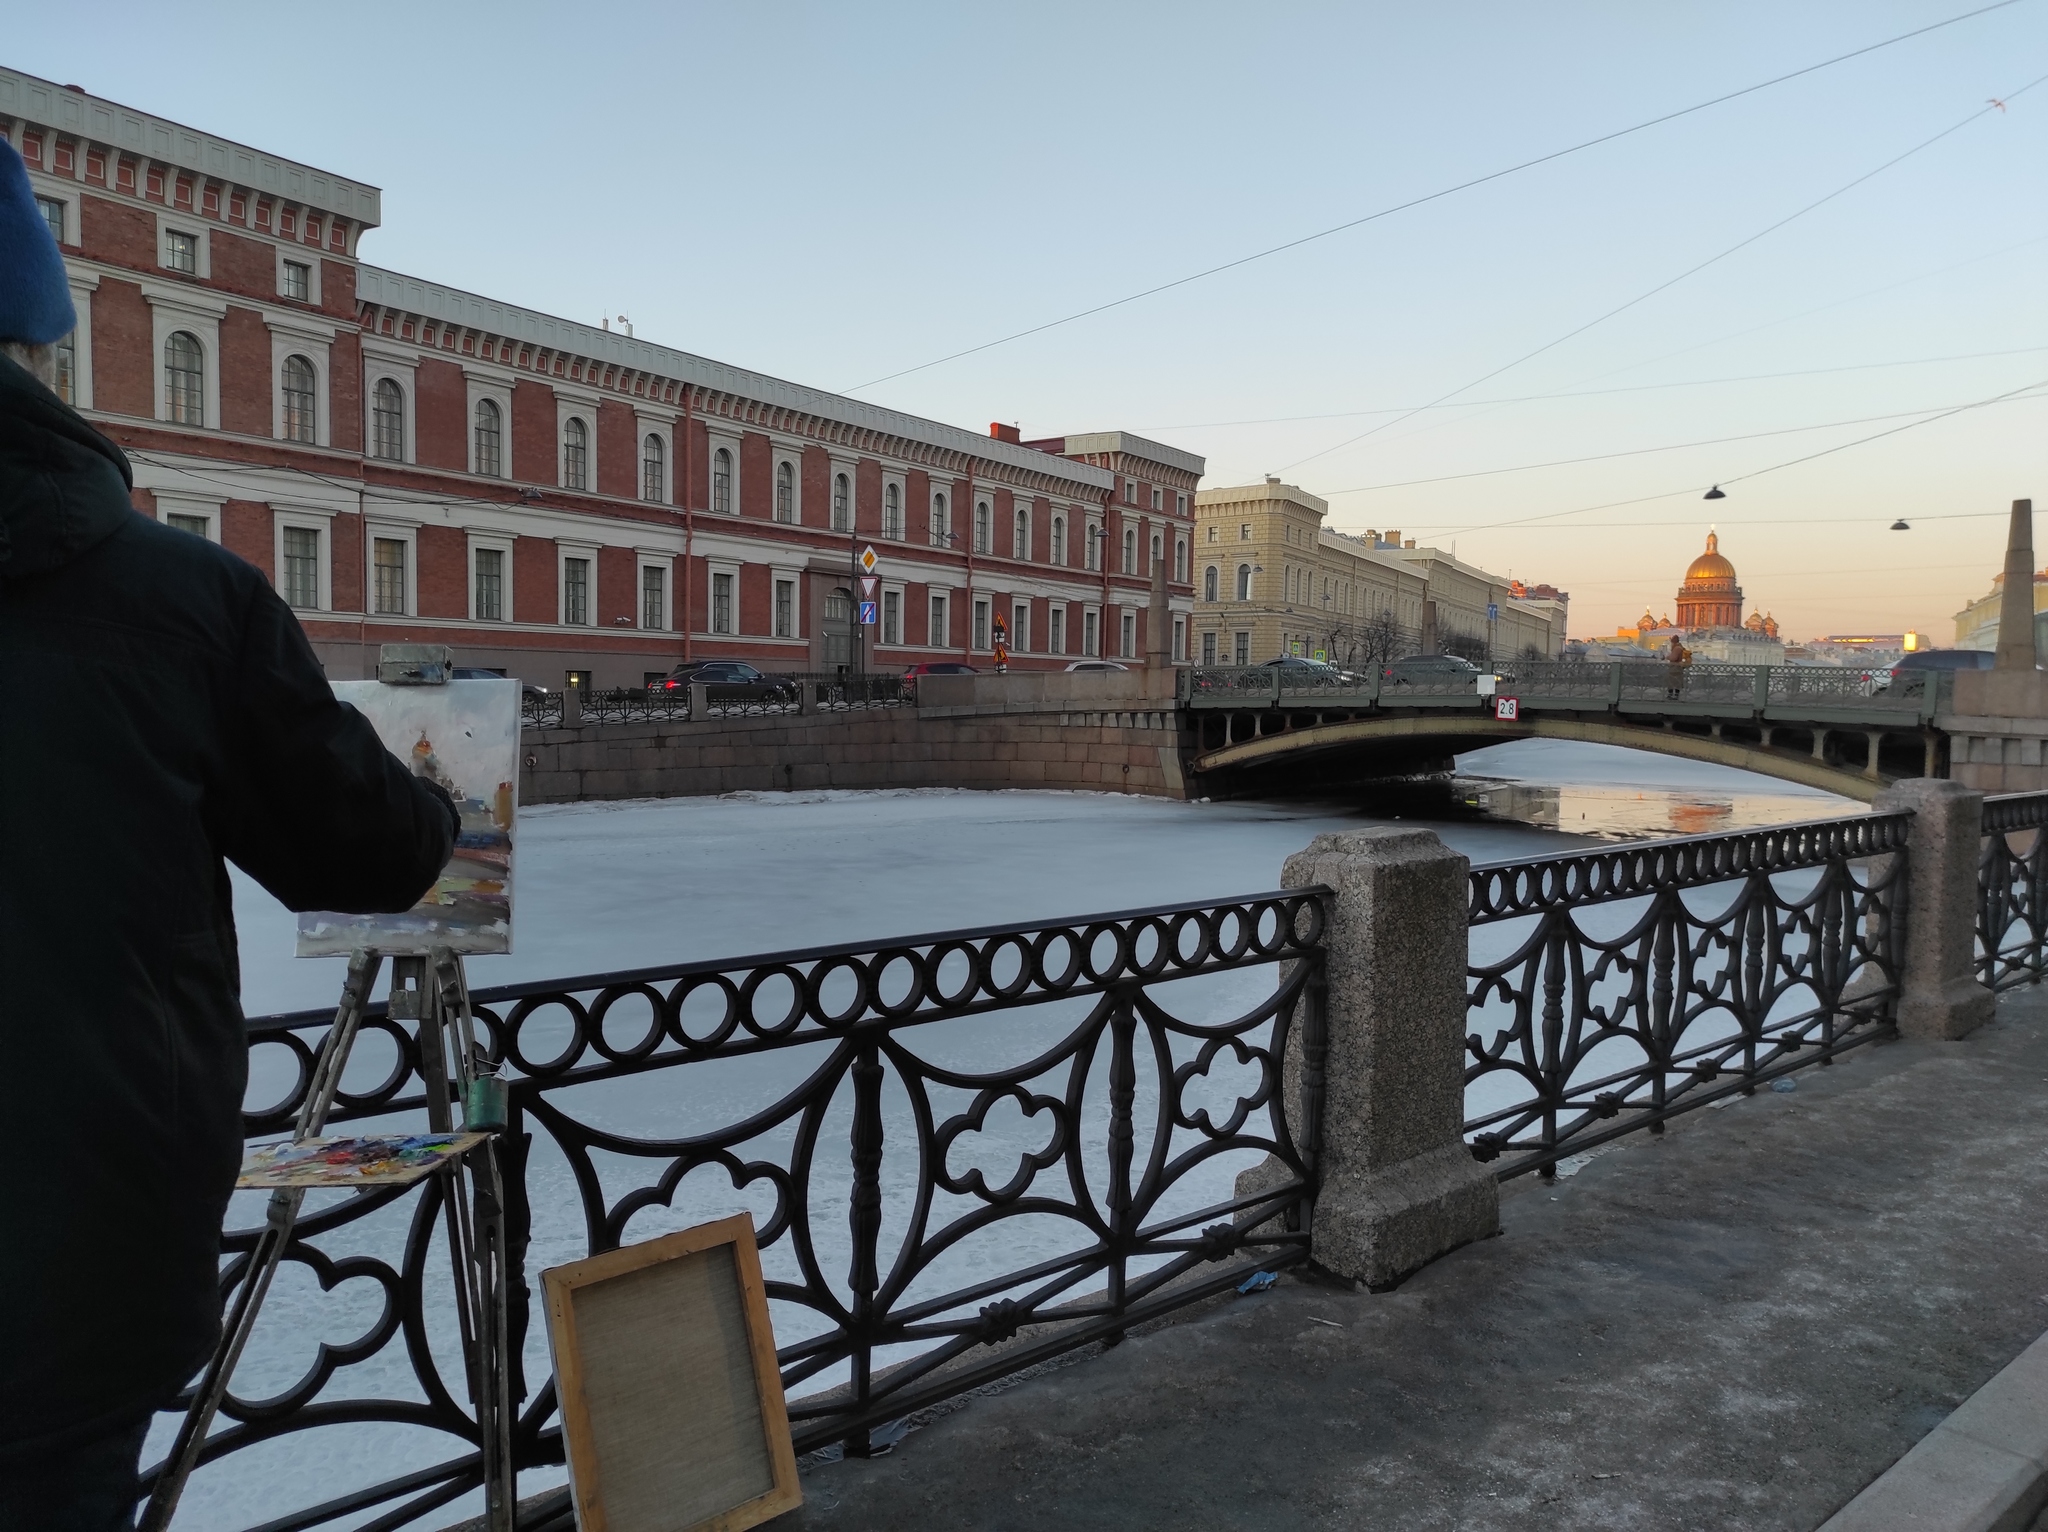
(1670, 282)
(1435, 196)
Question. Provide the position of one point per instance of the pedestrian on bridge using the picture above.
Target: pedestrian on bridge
(1677, 657)
(160, 710)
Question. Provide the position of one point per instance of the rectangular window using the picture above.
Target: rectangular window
(53, 214)
(1180, 639)
(1180, 505)
(1056, 640)
(892, 616)
(785, 608)
(298, 281)
(1208, 648)
(196, 525)
(1158, 499)
(67, 368)
(490, 584)
(387, 568)
(721, 603)
(981, 624)
(301, 567)
(939, 635)
(1094, 540)
(1020, 627)
(181, 251)
(653, 597)
(1129, 649)
(1244, 649)
(1089, 623)
(576, 591)
(1244, 531)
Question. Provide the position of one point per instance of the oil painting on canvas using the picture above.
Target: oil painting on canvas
(465, 736)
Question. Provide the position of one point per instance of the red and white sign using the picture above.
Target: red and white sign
(1507, 709)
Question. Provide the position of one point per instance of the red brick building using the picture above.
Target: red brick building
(409, 461)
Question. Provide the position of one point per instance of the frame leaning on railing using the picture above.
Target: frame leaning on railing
(1610, 990)
(2012, 891)
(965, 1153)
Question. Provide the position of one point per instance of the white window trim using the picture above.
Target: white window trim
(169, 504)
(83, 285)
(777, 460)
(980, 615)
(713, 442)
(309, 257)
(179, 308)
(392, 532)
(313, 344)
(944, 639)
(1126, 633)
(646, 423)
(563, 553)
(713, 568)
(902, 595)
(496, 387)
(58, 189)
(1019, 507)
(322, 522)
(1020, 626)
(1179, 655)
(401, 368)
(1091, 610)
(882, 508)
(568, 408)
(835, 466)
(938, 526)
(184, 223)
(498, 544)
(666, 563)
(790, 575)
(1055, 622)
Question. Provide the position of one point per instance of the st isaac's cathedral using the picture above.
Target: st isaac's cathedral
(1710, 620)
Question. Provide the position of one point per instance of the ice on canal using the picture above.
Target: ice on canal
(626, 885)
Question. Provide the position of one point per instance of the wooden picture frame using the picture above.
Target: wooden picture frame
(673, 1418)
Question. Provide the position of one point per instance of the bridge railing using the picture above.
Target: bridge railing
(1790, 691)
(1610, 990)
(964, 1152)
(2012, 891)
(825, 692)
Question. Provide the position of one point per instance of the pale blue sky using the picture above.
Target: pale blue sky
(835, 193)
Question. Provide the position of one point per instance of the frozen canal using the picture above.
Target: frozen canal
(610, 886)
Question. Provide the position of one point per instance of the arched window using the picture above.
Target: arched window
(982, 515)
(1209, 583)
(653, 468)
(842, 503)
(785, 492)
(387, 421)
(1020, 537)
(1130, 550)
(299, 388)
(1091, 546)
(1244, 582)
(1158, 552)
(721, 482)
(892, 513)
(940, 531)
(490, 439)
(184, 380)
(1059, 540)
(575, 454)
(1180, 561)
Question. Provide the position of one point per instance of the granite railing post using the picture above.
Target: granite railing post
(700, 701)
(1399, 1186)
(572, 707)
(1939, 995)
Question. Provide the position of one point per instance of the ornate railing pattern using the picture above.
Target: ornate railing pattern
(2012, 891)
(1613, 989)
(913, 1250)
(828, 693)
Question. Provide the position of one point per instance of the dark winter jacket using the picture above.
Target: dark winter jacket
(160, 710)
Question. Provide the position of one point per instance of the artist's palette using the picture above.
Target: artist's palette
(376, 1159)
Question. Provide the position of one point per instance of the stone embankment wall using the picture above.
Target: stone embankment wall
(1098, 731)
(1998, 731)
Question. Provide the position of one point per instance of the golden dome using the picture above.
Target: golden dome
(1710, 566)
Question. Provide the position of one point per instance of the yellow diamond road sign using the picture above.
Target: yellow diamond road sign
(868, 561)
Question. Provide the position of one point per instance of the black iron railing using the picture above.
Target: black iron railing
(1612, 989)
(825, 693)
(2012, 891)
(964, 1152)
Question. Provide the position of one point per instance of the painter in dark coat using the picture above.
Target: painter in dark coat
(161, 715)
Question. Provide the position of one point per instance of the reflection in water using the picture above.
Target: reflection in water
(1622, 813)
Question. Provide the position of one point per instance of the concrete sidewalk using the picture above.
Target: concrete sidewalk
(1737, 1326)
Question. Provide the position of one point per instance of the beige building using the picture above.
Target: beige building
(1977, 623)
(1271, 580)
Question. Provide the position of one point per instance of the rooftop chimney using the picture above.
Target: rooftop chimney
(1003, 433)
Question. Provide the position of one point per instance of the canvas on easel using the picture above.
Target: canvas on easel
(463, 735)
(672, 1408)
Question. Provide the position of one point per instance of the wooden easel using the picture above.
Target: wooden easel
(433, 992)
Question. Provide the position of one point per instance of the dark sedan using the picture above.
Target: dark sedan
(730, 681)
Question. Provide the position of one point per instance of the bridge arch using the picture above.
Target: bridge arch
(1403, 744)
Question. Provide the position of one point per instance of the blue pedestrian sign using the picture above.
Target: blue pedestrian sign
(867, 614)
(1493, 611)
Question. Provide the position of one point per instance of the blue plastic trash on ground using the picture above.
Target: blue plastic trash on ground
(1257, 1282)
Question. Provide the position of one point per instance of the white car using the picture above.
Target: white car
(1096, 665)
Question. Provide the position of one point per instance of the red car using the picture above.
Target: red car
(940, 668)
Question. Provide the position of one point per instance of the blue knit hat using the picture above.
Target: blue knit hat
(35, 296)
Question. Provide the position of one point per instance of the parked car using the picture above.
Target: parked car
(1096, 665)
(1315, 672)
(940, 668)
(527, 689)
(1433, 668)
(1933, 659)
(732, 680)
